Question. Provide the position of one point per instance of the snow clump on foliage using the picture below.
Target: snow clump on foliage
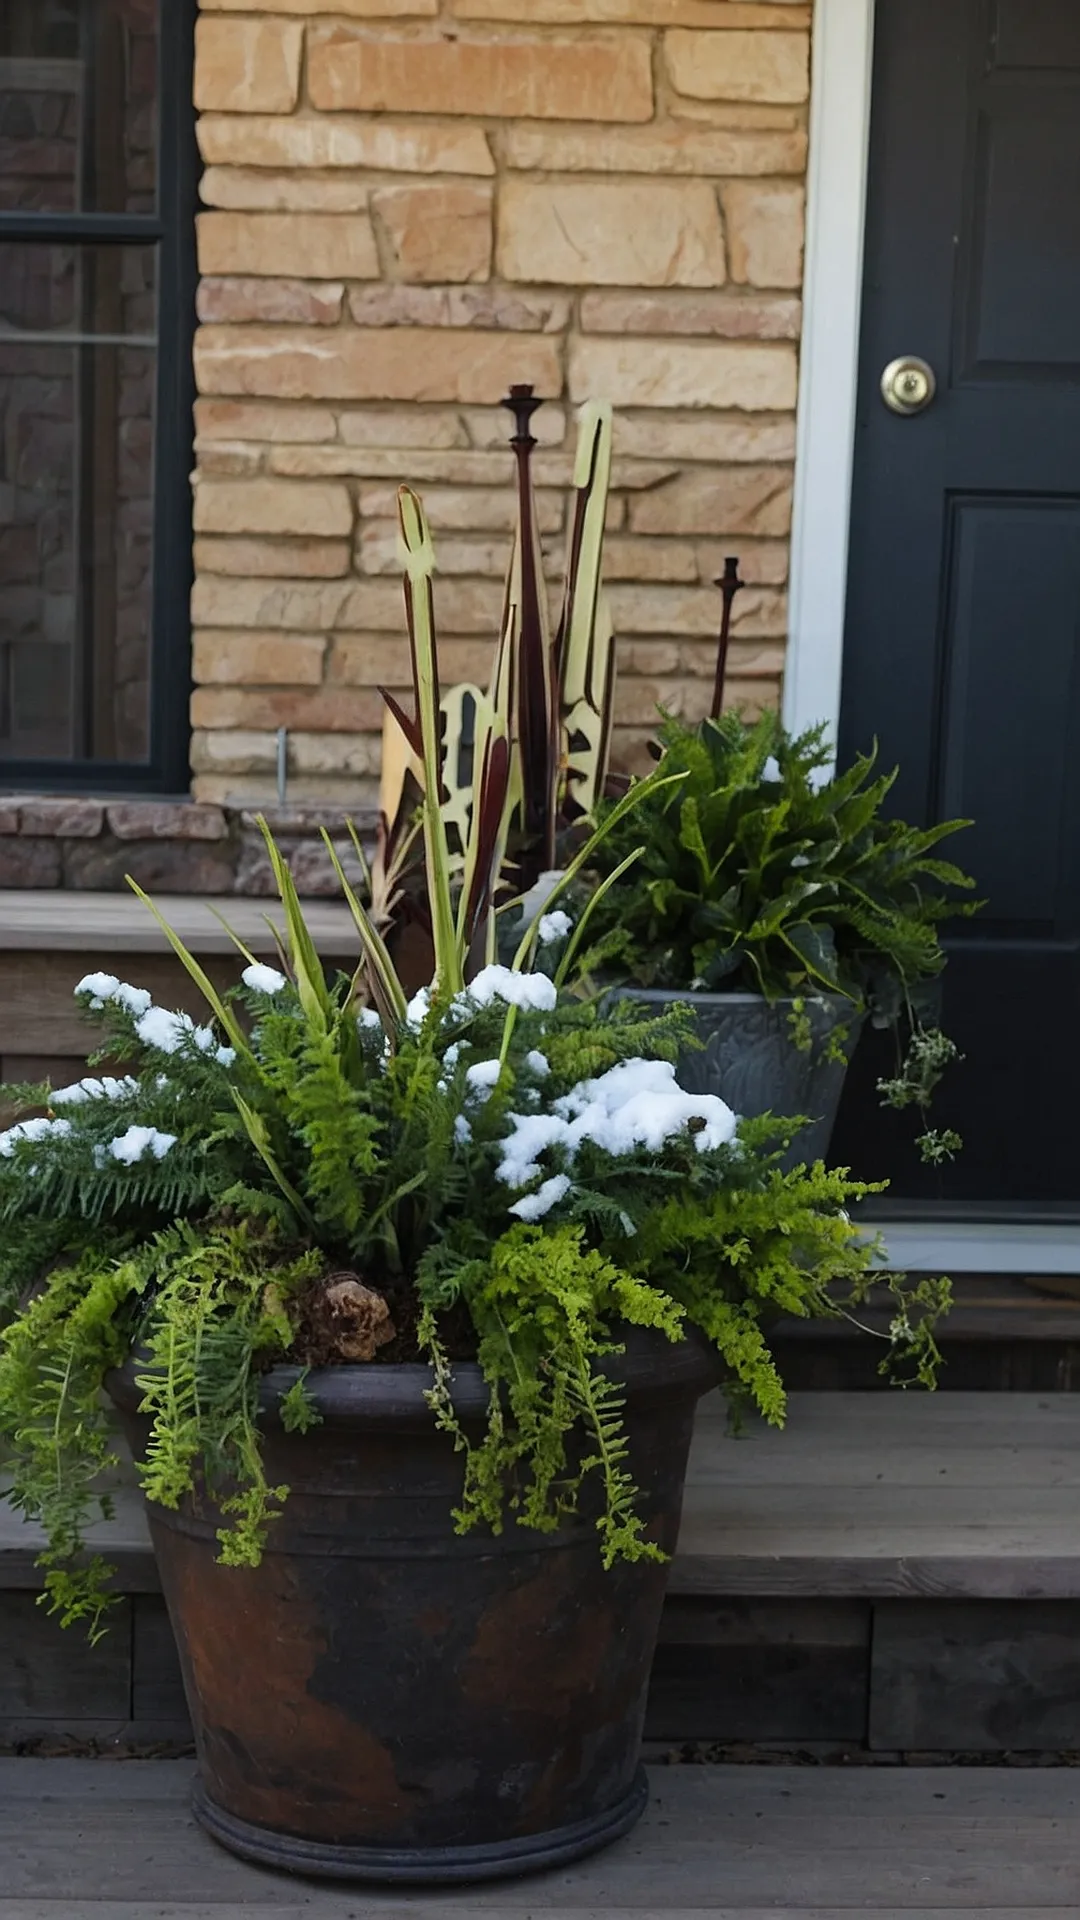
(263, 979)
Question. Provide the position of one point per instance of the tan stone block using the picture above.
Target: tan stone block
(638, 701)
(261, 420)
(492, 426)
(735, 113)
(296, 606)
(557, 470)
(304, 191)
(630, 750)
(273, 506)
(429, 427)
(766, 225)
(247, 66)
(404, 364)
(663, 609)
(280, 302)
(771, 67)
(763, 563)
(640, 13)
(260, 790)
(606, 78)
(411, 466)
(685, 374)
(325, 754)
(712, 437)
(253, 709)
(611, 234)
(313, 246)
(314, 141)
(234, 459)
(385, 662)
(283, 559)
(466, 509)
(728, 500)
(437, 232)
(224, 658)
(465, 557)
(232, 753)
(629, 558)
(696, 659)
(653, 150)
(347, 9)
(500, 309)
(729, 316)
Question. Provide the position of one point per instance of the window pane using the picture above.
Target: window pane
(77, 393)
(78, 105)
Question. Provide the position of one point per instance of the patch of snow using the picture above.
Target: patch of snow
(483, 1077)
(462, 1131)
(636, 1104)
(538, 1063)
(554, 926)
(107, 1088)
(225, 1056)
(32, 1130)
(452, 1056)
(103, 987)
(771, 770)
(369, 1020)
(97, 987)
(262, 979)
(137, 1142)
(531, 992)
(418, 1009)
(532, 1134)
(166, 1032)
(135, 999)
(535, 1205)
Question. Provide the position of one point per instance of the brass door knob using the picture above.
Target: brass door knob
(908, 385)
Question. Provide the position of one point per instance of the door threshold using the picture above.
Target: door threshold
(979, 1246)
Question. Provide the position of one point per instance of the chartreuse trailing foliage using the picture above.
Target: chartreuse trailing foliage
(493, 1154)
(760, 872)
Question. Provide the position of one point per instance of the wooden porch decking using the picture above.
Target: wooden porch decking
(99, 1840)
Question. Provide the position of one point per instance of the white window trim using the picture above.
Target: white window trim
(840, 103)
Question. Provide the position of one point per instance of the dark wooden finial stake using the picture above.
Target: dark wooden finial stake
(729, 585)
(522, 403)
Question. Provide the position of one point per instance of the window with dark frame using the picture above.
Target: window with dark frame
(97, 292)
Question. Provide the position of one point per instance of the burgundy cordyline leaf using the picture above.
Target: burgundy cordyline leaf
(408, 726)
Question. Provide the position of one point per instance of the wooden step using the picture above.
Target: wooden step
(867, 1496)
(48, 941)
(895, 1572)
(102, 1842)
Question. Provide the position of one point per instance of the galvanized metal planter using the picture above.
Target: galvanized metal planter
(384, 1700)
(750, 1058)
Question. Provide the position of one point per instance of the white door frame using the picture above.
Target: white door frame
(840, 99)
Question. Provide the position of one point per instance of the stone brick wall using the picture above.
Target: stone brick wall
(411, 204)
(170, 847)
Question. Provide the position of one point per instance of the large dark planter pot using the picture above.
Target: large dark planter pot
(385, 1700)
(751, 1061)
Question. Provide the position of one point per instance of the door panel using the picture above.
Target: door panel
(962, 650)
(1035, 33)
(1019, 316)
